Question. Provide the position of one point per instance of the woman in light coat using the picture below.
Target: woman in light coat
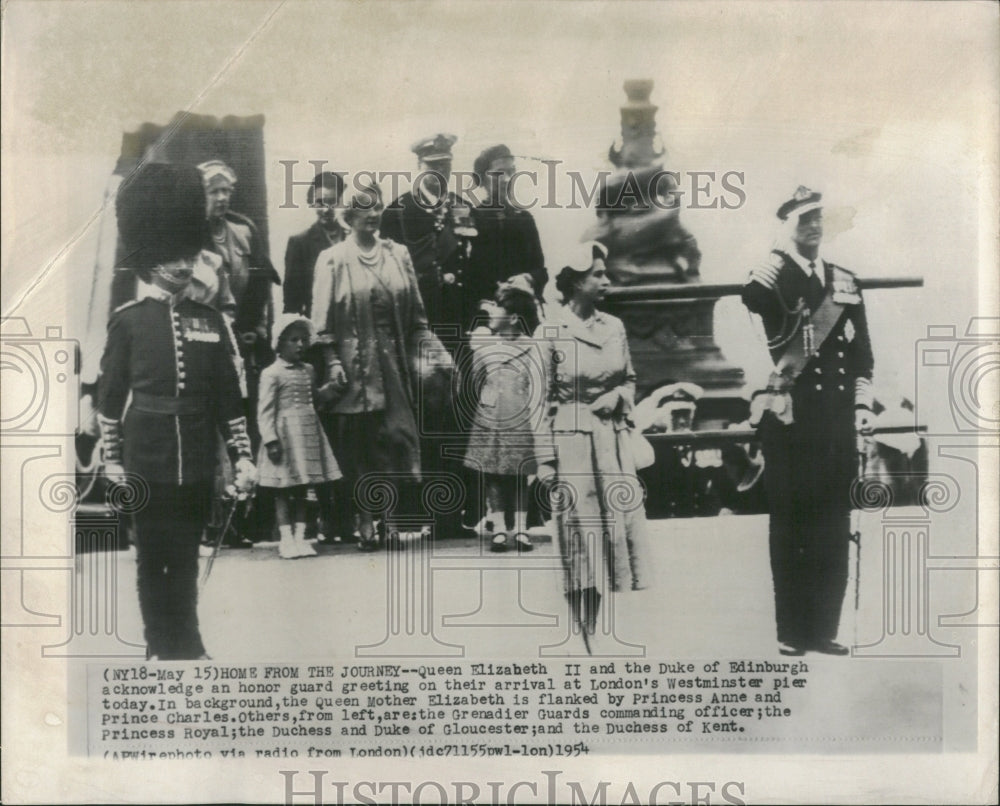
(584, 446)
(371, 322)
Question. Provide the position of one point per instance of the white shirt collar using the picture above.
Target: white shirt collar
(144, 290)
(803, 264)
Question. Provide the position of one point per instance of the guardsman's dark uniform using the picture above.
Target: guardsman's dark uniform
(168, 370)
(817, 332)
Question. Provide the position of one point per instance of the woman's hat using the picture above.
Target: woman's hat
(581, 258)
(285, 321)
(215, 172)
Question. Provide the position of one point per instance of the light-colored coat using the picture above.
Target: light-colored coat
(343, 317)
(598, 502)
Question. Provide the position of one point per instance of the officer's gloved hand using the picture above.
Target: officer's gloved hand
(246, 475)
(864, 421)
(114, 473)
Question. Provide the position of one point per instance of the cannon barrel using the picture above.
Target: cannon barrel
(737, 436)
(658, 292)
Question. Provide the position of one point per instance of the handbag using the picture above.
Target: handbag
(642, 449)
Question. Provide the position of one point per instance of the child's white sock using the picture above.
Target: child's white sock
(301, 546)
(287, 549)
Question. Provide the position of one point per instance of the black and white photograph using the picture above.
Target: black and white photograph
(500, 402)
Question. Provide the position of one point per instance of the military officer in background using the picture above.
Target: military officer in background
(168, 384)
(435, 226)
(818, 399)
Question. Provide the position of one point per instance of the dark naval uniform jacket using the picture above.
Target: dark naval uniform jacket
(168, 370)
(427, 232)
(839, 375)
(810, 445)
(300, 263)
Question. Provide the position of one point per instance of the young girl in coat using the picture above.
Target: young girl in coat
(511, 384)
(294, 453)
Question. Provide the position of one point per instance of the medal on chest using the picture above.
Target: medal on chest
(845, 292)
(197, 328)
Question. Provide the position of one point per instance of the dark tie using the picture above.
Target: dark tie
(815, 287)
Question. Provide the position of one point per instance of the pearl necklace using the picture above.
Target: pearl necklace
(372, 256)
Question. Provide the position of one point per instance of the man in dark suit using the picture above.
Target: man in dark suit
(818, 398)
(324, 195)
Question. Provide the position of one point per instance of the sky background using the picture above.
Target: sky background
(888, 108)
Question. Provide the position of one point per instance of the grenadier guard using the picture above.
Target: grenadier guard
(818, 398)
(168, 372)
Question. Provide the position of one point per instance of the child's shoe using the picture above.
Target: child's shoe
(302, 548)
(287, 548)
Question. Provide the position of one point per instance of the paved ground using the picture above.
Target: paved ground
(710, 597)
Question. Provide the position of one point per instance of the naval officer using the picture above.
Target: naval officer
(818, 398)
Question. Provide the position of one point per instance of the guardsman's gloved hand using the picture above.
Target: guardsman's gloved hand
(246, 475)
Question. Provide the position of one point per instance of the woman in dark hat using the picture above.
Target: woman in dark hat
(583, 448)
(371, 322)
(168, 354)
